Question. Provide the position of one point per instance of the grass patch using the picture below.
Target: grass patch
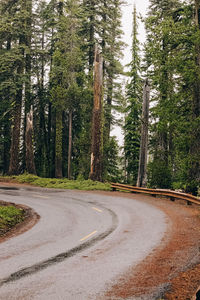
(9, 217)
(64, 183)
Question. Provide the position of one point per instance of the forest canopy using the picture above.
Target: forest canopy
(47, 80)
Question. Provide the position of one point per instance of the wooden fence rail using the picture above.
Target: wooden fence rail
(167, 193)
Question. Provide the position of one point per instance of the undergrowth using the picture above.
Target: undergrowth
(9, 217)
(63, 183)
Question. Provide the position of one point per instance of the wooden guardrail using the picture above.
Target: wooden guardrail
(167, 193)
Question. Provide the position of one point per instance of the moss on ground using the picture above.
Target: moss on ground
(63, 183)
(9, 217)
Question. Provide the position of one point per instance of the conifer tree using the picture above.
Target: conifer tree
(103, 26)
(17, 107)
(26, 104)
(160, 26)
(41, 58)
(133, 111)
(7, 80)
(66, 63)
(172, 55)
(46, 60)
(111, 44)
(194, 170)
(112, 52)
(16, 43)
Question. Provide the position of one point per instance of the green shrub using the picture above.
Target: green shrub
(26, 178)
(10, 216)
(159, 175)
(178, 185)
(63, 183)
(192, 187)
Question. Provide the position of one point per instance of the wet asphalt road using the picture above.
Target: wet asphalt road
(81, 245)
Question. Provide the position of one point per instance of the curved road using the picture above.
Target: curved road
(81, 245)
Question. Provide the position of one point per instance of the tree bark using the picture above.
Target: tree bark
(26, 103)
(59, 121)
(96, 151)
(30, 164)
(142, 171)
(58, 145)
(6, 144)
(70, 145)
(6, 130)
(15, 135)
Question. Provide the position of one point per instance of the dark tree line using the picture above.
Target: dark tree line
(46, 61)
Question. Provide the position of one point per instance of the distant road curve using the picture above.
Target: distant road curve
(82, 243)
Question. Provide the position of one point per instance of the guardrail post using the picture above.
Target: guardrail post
(114, 189)
(189, 203)
(153, 195)
(172, 198)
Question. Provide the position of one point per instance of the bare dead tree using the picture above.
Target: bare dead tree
(96, 149)
(142, 171)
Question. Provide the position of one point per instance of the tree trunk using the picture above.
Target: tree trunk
(59, 121)
(30, 164)
(70, 145)
(27, 99)
(6, 144)
(15, 135)
(96, 153)
(58, 145)
(43, 162)
(49, 140)
(6, 130)
(142, 172)
(50, 122)
(164, 83)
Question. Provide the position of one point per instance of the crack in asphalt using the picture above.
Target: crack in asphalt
(62, 256)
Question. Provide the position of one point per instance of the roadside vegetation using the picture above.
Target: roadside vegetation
(9, 217)
(64, 183)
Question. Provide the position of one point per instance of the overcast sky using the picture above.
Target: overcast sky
(127, 18)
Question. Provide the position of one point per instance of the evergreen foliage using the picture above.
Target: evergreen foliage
(46, 61)
(172, 42)
(133, 110)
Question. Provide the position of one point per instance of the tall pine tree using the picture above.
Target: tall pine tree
(160, 69)
(133, 111)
